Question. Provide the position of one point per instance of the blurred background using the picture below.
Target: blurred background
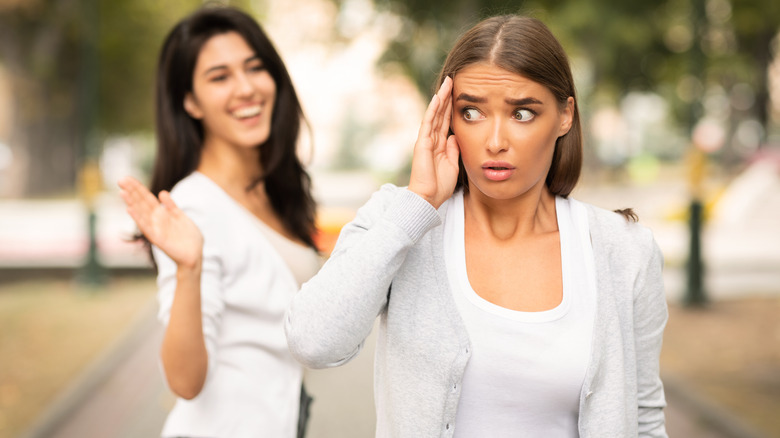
(681, 108)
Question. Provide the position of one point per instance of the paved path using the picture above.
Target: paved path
(130, 400)
(742, 250)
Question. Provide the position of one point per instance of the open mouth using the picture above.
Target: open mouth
(247, 112)
(497, 171)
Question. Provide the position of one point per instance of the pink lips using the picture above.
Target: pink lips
(497, 170)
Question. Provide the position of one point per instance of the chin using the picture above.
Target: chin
(254, 141)
(500, 190)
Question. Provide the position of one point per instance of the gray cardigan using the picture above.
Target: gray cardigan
(389, 262)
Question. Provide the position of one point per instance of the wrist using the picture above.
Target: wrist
(426, 196)
(190, 269)
(413, 214)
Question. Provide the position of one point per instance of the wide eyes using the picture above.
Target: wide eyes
(471, 114)
(523, 115)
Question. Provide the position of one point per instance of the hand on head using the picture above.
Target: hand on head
(435, 160)
(163, 223)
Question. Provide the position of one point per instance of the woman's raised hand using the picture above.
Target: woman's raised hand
(163, 223)
(435, 159)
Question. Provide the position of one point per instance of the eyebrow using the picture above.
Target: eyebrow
(515, 102)
(523, 101)
(220, 67)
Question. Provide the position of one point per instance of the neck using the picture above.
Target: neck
(231, 167)
(504, 219)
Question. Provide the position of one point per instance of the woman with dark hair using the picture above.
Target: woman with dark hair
(231, 220)
(506, 307)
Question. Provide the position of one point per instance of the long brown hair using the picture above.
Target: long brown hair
(180, 137)
(525, 46)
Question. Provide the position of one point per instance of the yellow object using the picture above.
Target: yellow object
(90, 181)
(697, 167)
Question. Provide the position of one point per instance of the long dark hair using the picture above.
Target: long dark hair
(180, 137)
(525, 46)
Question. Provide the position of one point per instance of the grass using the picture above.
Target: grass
(50, 330)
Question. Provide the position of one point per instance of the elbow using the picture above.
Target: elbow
(304, 351)
(186, 388)
(314, 351)
(185, 380)
(187, 392)
(308, 358)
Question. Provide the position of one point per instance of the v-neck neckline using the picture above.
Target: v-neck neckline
(248, 212)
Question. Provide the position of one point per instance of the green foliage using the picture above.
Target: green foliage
(80, 70)
(630, 46)
(130, 34)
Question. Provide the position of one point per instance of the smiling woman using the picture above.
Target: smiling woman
(232, 240)
(232, 96)
(506, 307)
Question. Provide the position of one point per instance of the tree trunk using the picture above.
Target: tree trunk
(39, 47)
(763, 56)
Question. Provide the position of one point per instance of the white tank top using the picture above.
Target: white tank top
(526, 371)
(303, 261)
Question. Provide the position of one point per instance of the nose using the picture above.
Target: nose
(497, 142)
(244, 86)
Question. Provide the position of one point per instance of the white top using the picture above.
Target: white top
(253, 384)
(526, 371)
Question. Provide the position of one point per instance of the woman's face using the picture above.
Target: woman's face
(232, 93)
(506, 126)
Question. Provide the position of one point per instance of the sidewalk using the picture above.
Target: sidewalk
(732, 342)
(123, 395)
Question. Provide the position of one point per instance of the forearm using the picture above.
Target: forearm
(335, 311)
(184, 355)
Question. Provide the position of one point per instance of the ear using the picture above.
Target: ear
(567, 117)
(192, 107)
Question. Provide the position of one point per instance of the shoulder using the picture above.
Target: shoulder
(612, 231)
(199, 199)
(191, 189)
(616, 224)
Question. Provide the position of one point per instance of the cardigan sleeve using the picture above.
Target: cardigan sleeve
(650, 316)
(211, 297)
(334, 312)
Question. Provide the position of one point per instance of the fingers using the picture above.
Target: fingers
(430, 113)
(167, 202)
(444, 95)
(136, 194)
(445, 126)
(436, 112)
(140, 202)
(453, 149)
(442, 120)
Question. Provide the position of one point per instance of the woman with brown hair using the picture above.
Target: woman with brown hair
(233, 239)
(506, 307)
